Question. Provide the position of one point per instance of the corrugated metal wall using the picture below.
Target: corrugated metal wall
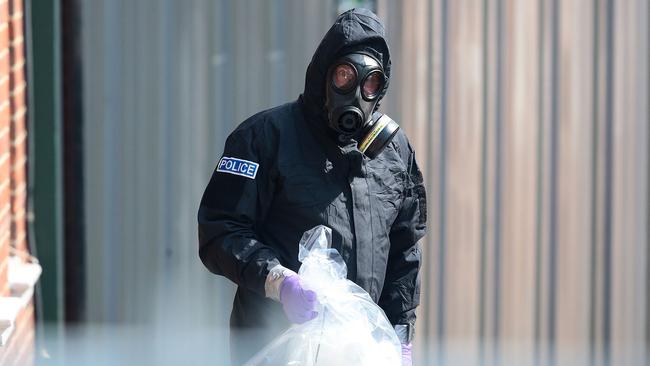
(530, 119)
(165, 81)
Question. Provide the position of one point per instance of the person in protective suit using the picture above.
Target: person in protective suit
(327, 158)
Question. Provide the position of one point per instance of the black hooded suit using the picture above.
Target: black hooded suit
(376, 208)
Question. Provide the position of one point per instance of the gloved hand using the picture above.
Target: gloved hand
(406, 355)
(298, 303)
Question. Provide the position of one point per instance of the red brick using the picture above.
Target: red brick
(4, 270)
(5, 140)
(16, 24)
(18, 229)
(18, 211)
(5, 219)
(16, 41)
(17, 53)
(18, 214)
(5, 129)
(4, 40)
(5, 111)
(18, 96)
(21, 245)
(17, 6)
(13, 164)
(17, 59)
(17, 131)
(17, 76)
(5, 196)
(18, 150)
(4, 176)
(17, 191)
(4, 266)
(5, 114)
(5, 238)
(18, 147)
(19, 121)
(17, 171)
(5, 225)
(4, 254)
(18, 141)
(18, 165)
(5, 161)
(18, 175)
(17, 195)
(5, 84)
(5, 137)
(4, 11)
(4, 247)
(5, 208)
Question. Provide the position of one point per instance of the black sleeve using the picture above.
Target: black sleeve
(401, 293)
(231, 206)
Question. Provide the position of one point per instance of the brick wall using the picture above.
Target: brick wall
(13, 169)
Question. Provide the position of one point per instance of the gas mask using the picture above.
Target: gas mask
(354, 84)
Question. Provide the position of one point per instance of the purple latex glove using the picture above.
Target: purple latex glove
(406, 355)
(298, 303)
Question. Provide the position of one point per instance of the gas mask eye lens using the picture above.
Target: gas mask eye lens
(344, 77)
(372, 84)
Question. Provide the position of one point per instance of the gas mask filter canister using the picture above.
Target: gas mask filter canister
(355, 82)
(377, 135)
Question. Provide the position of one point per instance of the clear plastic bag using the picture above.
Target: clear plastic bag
(350, 328)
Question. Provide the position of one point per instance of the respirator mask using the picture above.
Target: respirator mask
(354, 84)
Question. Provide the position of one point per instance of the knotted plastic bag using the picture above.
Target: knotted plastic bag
(350, 329)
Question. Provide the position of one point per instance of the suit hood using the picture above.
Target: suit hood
(354, 30)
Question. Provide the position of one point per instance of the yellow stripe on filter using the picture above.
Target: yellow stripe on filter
(381, 123)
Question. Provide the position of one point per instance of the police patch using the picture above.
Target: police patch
(236, 166)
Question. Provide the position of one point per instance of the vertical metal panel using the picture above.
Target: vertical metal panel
(165, 82)
(46, 130)
(539, 226)
(520, 32)
(629, 186)
(597, 341)
(641, 17)
(463, 136)
(574, 173)
(530, 123)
